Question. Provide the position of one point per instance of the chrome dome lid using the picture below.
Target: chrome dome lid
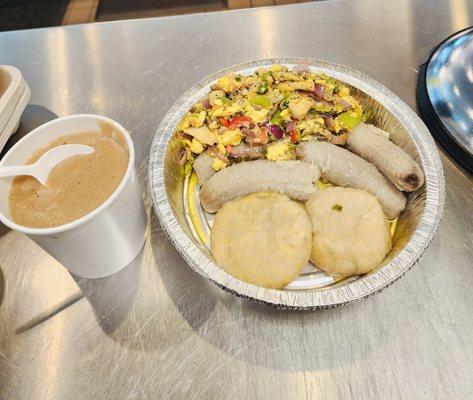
(445, 95)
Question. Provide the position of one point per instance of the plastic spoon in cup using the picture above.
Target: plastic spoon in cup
(41, 168)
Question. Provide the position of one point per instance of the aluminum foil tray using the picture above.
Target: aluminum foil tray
(175, 197)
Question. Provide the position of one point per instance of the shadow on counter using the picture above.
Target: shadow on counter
(194, 296)
(113, 296)
(255, 333)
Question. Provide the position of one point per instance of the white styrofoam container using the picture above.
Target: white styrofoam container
(101, 242)
(14, 96)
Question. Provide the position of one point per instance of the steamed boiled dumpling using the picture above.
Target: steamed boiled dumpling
(350, 233)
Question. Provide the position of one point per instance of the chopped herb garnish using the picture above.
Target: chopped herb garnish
(284, 104)
(262, 89)
(337, 207)
(238, 78)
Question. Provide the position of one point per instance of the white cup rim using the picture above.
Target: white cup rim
(78, 222)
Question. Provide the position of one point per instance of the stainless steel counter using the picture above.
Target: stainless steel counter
(156, 330)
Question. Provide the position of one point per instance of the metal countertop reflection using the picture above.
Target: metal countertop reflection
(157, 329)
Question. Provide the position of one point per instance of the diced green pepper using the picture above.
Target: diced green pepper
(266, 77)
(349, 119)
(262, 101)
(322, 107)
(276, 118)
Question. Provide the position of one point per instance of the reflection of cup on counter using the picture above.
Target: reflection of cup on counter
(112, 231)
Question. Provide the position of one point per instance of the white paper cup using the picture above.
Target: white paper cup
(103, 241)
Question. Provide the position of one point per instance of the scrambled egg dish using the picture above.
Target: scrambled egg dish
(264, 115)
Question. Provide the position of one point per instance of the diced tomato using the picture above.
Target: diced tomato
(224, 122)
(229, 148)
(295, 137)
(236, 122)
(264, 135)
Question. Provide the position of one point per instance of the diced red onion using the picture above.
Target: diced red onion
(215, 153)
(318, 92)
(206, 103)
(186, 136)
(346, 105)
(250, 137)
(290, 126)
(276, 131)
(182, 156)
(328, 120)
